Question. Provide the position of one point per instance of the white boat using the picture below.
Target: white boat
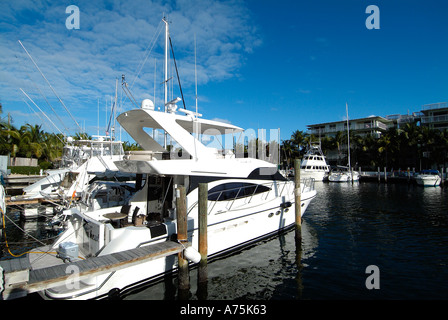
(85, 160)
(82, 159)
(428, 178)
(343, 175)
(248, 199)
(314, 165)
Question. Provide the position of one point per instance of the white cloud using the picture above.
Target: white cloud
(82, 65)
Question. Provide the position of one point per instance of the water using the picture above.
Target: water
(402, 229)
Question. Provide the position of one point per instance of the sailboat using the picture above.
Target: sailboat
(344, 174)
(248, 199)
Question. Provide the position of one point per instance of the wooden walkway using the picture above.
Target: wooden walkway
(19, 280)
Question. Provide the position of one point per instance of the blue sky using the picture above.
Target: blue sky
(261, 63)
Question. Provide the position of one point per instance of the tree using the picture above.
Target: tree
(299, 141)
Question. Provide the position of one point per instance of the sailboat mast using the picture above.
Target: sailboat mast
(166, 71)
(348, 137)
(166, 62)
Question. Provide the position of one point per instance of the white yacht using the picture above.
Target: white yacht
(247, 200)
(313, 164)
(428, 178)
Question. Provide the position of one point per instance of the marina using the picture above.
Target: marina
(245, 199)
(399, 227)
(192, 206)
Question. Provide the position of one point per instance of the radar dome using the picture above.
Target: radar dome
(147, 104)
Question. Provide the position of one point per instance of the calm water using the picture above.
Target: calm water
(402, 229)
(399, 228)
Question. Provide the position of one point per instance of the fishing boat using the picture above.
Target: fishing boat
(84, 161)
(81, 160)
(313, 164)
(248, 199)
(428, 178)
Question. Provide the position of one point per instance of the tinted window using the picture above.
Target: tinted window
(228, 191)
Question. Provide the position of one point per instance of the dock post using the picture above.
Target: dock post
(379, 176)
(182, 237)
(203, 247)
(297, 199)
(385, 175)
(441, 181)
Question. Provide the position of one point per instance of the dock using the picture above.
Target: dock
(400, 176)
(18, 279)
(14, 184)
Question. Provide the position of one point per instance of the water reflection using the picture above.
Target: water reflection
(266, 270)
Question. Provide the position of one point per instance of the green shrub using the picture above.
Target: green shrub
(45, 165)
(24, 170)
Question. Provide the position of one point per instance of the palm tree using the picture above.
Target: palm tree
(299, 141)
(286, 152)
(337, 141)
(82, 136)
(29, 142)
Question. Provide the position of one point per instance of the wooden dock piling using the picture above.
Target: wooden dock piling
(203, 246)
(182, 237)
(297, 199)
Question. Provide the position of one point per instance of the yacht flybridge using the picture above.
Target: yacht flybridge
(248, 199)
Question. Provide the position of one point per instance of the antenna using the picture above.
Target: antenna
(195, 75)
(166, 72)
(196, 98)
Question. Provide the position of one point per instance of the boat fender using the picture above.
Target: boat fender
(192, 254)
(285, 204)
(114, 294)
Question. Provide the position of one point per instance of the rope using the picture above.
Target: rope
(6, 240)
(30, 251)
(153, 42)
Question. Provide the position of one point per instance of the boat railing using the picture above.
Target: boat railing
(248, 192)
